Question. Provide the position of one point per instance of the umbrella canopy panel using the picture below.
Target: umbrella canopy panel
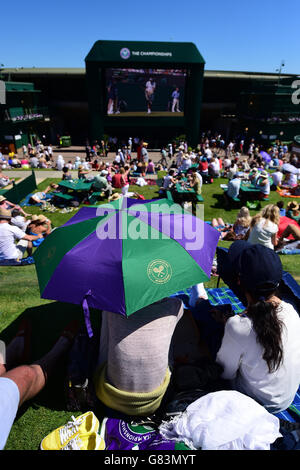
(127, 259)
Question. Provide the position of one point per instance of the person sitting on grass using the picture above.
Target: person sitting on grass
(169, 180)
(82, 173)
(135, 355)
(264, 227)
(263, 184)
(293, 211)
(19, 220)
(232, 171)
(39, 225)
(16, 163)
(9, 234)
(282, 210)
(67, 175)
(5, 204)
(295, 191)
(242, 223)
(289, 181)
(5, 180)
(100, 184)
(284, 240)
(195, 183)
(260, 348)
(238, 230)
(233, 189)
(276, 178)
(96, 165)
(150, 168)
(253, 176)
(19, 381)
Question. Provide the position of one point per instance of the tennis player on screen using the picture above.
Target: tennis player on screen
(149, 93)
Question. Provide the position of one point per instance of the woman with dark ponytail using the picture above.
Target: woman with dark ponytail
(260, 350)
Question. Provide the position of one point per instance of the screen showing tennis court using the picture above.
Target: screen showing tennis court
(140, 92)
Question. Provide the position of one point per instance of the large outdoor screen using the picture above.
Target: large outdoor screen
(140, 92)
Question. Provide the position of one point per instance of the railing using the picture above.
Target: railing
(28, 114)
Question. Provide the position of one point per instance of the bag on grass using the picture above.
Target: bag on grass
(253, 205)
(136, 434)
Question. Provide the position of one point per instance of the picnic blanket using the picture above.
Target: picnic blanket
(283, 223)
(26, 202)
(286, 193)
(13, 262)
(149, 181)
(216, 296)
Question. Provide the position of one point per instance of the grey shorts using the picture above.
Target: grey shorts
(21, 247)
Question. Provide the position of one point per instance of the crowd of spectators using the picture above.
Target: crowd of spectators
(259, 350)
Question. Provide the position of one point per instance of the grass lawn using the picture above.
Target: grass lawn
(20, 297)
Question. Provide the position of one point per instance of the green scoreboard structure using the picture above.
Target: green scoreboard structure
(148, 89)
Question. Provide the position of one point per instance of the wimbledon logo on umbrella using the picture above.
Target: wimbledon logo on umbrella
(159, 271)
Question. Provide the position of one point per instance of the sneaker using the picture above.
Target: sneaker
(86, 442)
(85, 424)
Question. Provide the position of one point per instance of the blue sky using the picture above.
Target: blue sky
(253, 35)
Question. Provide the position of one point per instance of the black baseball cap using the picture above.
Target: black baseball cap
(258, 267)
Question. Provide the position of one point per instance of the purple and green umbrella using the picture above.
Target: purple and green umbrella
(265, 156)
(125, 255)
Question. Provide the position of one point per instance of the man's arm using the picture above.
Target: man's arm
(31, 238)
(48, 228)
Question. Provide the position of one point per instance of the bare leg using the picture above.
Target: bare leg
(29, 248)
(31, 379)
(291, 229)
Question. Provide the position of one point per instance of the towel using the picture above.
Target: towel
(224, 420)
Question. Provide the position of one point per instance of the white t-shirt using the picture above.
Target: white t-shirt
(186, 164)
(150, 86)
(215, 166)
(8, 235)
(234, 187)
(167, 182)
(263, 232)
(227, 162)
(208, 153)
(241, 356)
(232, 171)
(20, 221)
(277, 177)
(291, 180)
